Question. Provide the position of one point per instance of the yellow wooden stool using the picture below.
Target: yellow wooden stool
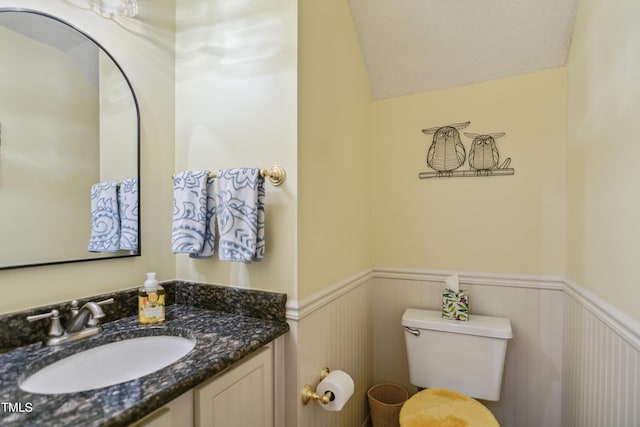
(437, 407)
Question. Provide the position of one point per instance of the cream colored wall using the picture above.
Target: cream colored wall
(506, 224)
(37, 162)
(334, 151)
(118, 121)
(144, 47)
(603, 195)
(236, 107)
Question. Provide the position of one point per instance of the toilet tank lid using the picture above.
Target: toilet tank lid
(486, 326)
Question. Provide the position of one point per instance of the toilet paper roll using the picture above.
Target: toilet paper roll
(341, 385)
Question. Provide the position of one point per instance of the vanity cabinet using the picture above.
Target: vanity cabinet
(178, 412)
(242, 396)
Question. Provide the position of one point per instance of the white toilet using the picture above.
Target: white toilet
(463, 356)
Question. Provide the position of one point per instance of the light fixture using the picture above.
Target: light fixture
(109, 8)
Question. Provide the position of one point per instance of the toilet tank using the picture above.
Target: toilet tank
(463, 356)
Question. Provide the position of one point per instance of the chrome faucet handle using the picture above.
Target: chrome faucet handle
(74, 308)
(34, 317)
(55, 328)
(95, 321)
(107, 301)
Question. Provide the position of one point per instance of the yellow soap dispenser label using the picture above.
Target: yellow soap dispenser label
(151, 308)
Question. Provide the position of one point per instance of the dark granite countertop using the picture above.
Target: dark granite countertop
(222, 338)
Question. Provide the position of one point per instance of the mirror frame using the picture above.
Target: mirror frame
(137, 108)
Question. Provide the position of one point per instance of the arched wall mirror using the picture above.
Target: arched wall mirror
(69, 119)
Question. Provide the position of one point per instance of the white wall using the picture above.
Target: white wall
(236, 106)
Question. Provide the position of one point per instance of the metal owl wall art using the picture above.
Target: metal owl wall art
(447, 154)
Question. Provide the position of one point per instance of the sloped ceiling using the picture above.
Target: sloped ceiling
(414, 46)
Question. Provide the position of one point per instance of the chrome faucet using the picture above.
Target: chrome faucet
(83, 322)
(88, 315)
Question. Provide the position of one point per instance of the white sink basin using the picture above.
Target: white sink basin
(109, 364)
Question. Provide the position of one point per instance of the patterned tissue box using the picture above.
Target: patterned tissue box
(455, 305)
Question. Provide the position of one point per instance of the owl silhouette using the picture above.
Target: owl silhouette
(483, 154)
(446, 152)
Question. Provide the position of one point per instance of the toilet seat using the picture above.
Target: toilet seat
(437, 407)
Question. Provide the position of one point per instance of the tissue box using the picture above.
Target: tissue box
(455, 305)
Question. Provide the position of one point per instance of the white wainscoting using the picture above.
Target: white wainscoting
(531, 388)
(574, 360)
(601, 375)
(333, 329)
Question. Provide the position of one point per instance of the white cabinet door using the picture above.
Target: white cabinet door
(241, 397)
(178, 412)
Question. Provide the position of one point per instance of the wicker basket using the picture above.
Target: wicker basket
(385, 401)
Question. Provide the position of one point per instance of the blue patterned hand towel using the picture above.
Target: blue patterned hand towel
(105, 219)
(240, 199)
(128, 210)
(194, 214)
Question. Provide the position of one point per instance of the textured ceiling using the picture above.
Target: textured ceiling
(413, 46)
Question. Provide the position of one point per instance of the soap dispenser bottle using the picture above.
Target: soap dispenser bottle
(151, 301)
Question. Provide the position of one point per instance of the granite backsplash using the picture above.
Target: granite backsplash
(16, 331)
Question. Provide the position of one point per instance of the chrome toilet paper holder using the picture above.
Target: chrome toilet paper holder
(308, 393)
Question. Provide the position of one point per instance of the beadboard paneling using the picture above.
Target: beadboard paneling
(574, 360)
(601, 377)
(337, 334)
(531, 391)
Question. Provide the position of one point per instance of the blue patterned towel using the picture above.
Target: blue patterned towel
(105, 219)
(128, 209)
(194, 214)
(241, 214)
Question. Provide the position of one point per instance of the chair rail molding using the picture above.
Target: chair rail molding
(472, 278)
(622, 324)
(298, 309)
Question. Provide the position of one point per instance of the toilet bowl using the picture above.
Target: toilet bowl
(456, 362)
